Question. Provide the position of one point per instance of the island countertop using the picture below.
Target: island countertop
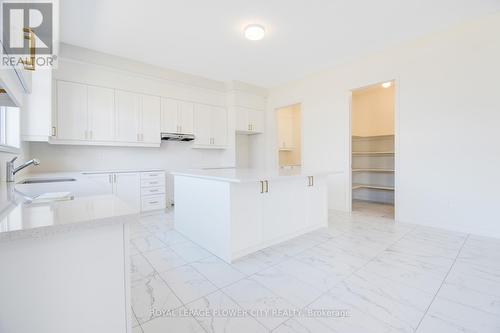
(243, 175)
(24, 212)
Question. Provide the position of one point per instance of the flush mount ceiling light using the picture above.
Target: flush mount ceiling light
(386, 84)
(254, 32)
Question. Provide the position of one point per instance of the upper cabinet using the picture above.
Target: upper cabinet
(101, 113)
(72, 116)
(149, 119)
(92, 115)
(210, 126)
(128, 109)
(177, 116)
(249, 110)
(249, 121)
(101, 116)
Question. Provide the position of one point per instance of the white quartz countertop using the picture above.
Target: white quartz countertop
(237, 175)
(31, 210)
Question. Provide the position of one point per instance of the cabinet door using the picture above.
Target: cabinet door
(202, 124)
(283, 208)
(316, 202)
(103, 180)
(169, 115)
(246, 215)
(242, 123)
(256, 120)
(72, 119)
(127, 116)
(128, 188)
(186, 117)
(101, 111)
(150, 119)
(219, 126)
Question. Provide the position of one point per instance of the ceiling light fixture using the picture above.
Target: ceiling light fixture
(386, 84)
(254, 32)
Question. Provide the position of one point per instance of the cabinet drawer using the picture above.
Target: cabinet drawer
(152, 175)
(153, 202)
(152, 182)
(152, 190)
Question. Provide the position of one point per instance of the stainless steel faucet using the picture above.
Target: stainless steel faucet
(11, 171)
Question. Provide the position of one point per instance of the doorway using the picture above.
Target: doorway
(373, 149)
(288, 120)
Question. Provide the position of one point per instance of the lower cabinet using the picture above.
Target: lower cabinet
(145, 191)
(152, 191)
(263, 212)
(123, 185)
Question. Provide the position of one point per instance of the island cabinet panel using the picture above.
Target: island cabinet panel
(237, 218)
(316, 201)
(283, 208)
(247, 215)
(208, 224)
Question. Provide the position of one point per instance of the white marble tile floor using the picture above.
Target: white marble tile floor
(364, 273)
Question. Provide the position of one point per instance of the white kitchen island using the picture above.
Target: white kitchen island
(234, 212)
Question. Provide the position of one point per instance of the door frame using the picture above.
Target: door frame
(397, 107)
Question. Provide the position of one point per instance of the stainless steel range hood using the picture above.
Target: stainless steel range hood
(177, 137)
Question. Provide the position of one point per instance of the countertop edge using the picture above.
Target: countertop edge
(44, 231)
(253, 179)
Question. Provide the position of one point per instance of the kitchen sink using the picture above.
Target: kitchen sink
(46, 180)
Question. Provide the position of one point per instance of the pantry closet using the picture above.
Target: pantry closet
(373, 154)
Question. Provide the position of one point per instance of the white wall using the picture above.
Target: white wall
(448, 156)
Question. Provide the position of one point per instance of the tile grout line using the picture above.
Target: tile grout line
(158, 274)
(354, 272)
(246, 276)
(442, 283)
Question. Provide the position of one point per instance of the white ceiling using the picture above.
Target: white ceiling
(204, 37)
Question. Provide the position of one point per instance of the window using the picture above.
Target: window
(9, 129)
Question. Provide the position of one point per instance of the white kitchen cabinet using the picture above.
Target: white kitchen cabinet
(177, 116)
(37, 119)
(314, 197)
(219, 126)
(169, 115)
(137, 118)
(153, 191)
(144, 191)
(242, 215)
(128, 109)
(186, 117)
(203, 125)
(249, 121)
(210, 126)
(72, 118)
(283, 201)
(126, 187)
(149, 119)
(105, 180)
(101, 114)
